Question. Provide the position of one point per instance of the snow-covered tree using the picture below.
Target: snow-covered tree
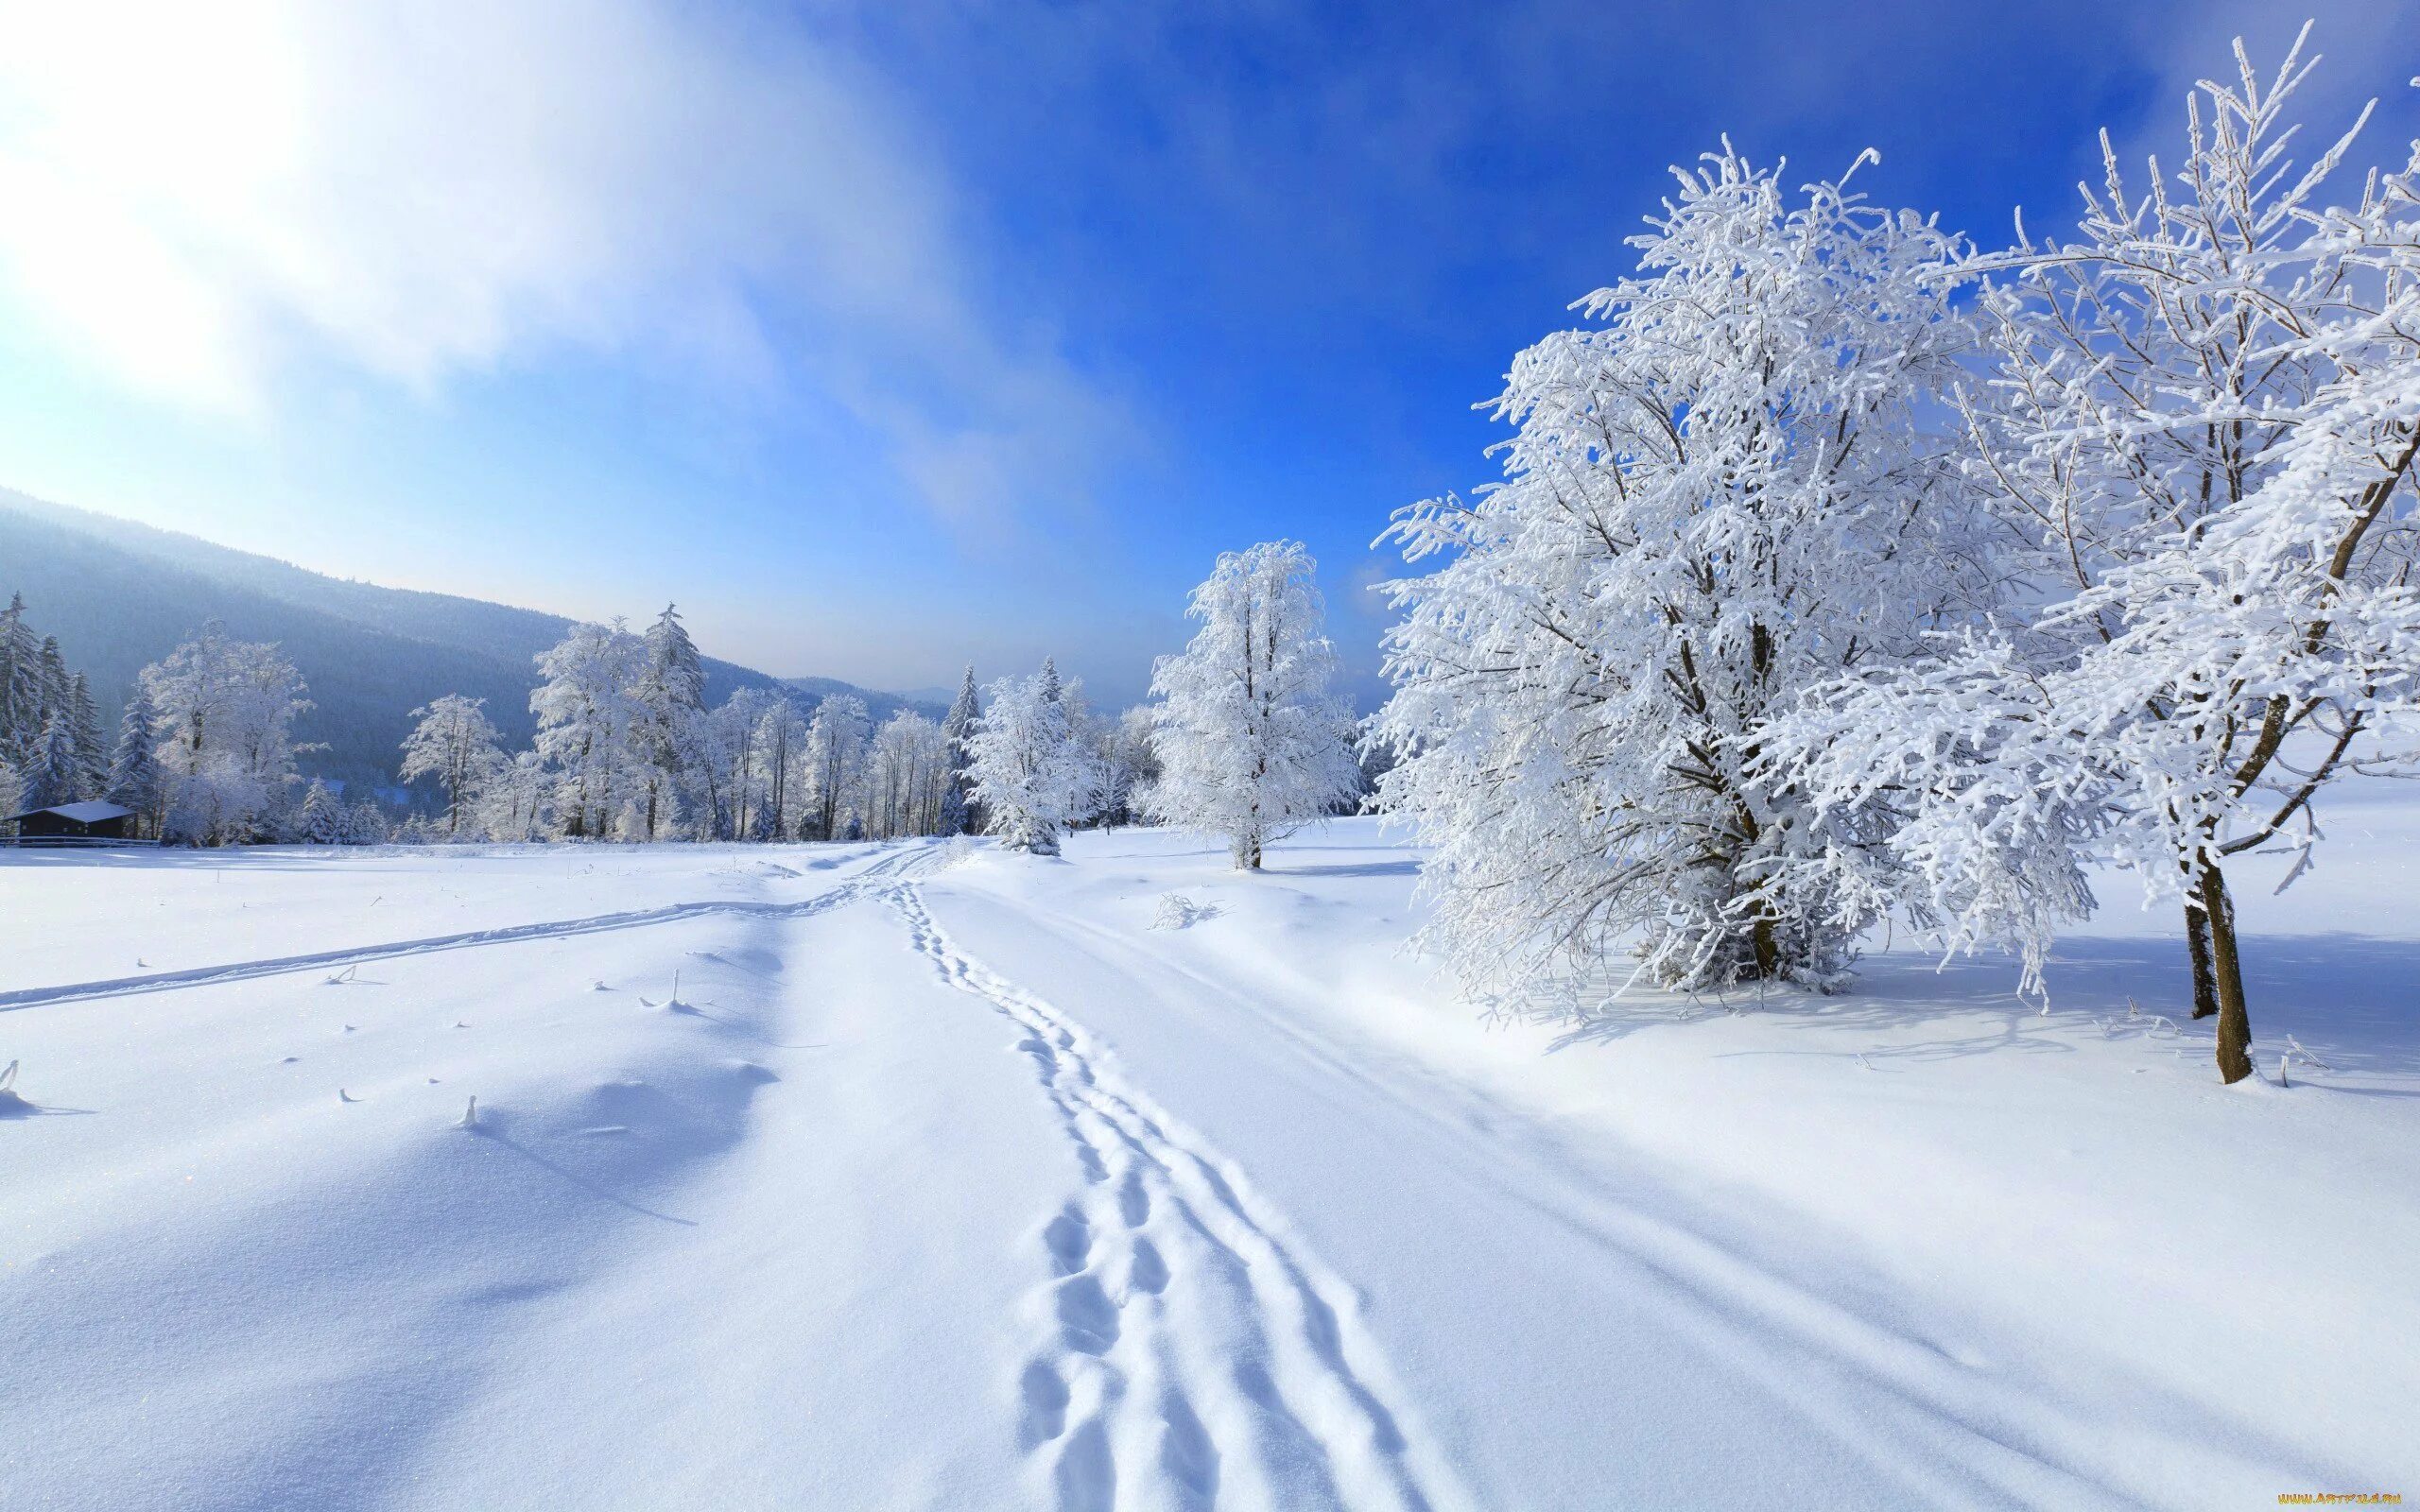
(1030, 769)
(226, 718)
(836, 759)
(1127, 753)
(1252, 744)
(513, 799)
(2200, 426)
(12, 789)
(134, 779)
(590, 721)
(85, 730)
(455, 743)
(958, 806)
(1729, 491)
(52, 773)
(906, 777)
(21, 707)
(781, 754)
(323, 819)
(671, 696)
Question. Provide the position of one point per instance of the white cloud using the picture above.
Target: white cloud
(197, 196)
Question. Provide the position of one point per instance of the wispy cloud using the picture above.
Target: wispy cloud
(202, 200)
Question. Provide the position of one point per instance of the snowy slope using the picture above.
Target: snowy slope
(956, 1182)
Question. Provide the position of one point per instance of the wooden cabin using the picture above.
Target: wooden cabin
(73, 822)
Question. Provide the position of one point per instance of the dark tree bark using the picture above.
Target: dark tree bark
(2235, 1017)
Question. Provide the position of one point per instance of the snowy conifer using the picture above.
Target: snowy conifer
(134, 764)
(84, 729)
(1031, 770)
(957, 808)
(19, 682)
(1252, 744)
(323, 820)
(52, 774)
(672, 697)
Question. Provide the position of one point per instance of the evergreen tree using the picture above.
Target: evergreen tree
(1032, 771)
(12, 789)
(91, 751)
(958, 814)
(51, 681)
(51, 775)
(322, 821)
(134, 765)
(19, 682)
(672, 699)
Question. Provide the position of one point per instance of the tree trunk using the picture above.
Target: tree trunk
(2235, 1017)
(2197, 945)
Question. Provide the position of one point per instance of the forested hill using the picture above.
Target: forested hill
(120, 595)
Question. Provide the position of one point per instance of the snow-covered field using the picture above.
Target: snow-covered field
(967, 1180)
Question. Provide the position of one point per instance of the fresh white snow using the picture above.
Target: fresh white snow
(958, 1178)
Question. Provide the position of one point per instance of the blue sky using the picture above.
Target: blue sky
(883, 338)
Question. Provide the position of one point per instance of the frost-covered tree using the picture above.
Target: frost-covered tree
(84, 730)
(21, 706)
(957, 807)
(671, 696)
(134, 764)
(455, 743)
(590, 725)
(836, 759)
(1731, 489)
(1031, 769)
(781, 753)
(1128, 761)
(513, 802)
(226, 720)
(52, 773)
(1252, 743)
(323, 819)
(2202, 425)
(906, 777)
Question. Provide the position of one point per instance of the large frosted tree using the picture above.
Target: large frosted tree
(1731, 488)
(455, 743)
(2201, 427)
(1252, 744)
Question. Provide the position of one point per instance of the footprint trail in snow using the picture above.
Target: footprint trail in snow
(1190, 1353)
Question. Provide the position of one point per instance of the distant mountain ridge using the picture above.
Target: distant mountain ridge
(120, 595)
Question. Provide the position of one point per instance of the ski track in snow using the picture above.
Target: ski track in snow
(890, 864)
(1180, 1329)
